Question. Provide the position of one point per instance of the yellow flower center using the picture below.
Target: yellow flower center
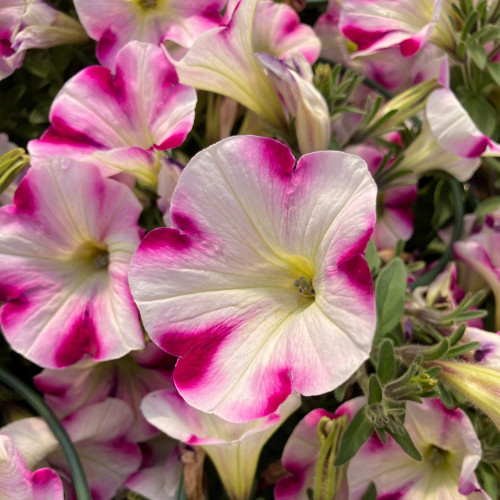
(148, 4)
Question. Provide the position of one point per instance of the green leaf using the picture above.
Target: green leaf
(488, 479)
(478, 55)
(462, 349)
(457, 335)
(404, 440)
(389, 298)
(340, 391)
(444, 203)
(494, 71)
(436, 351)
(359, 430)
(433, 372)
(468, 25)
(370, 493)
(488, 206)
(374, 390)
(372, 257)
(445, 396)
(386, 362)
(482, 113)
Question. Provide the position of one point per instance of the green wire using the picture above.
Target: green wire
(37, 403)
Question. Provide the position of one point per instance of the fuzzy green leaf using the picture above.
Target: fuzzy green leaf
(389, 298)
(359, 430)
(386, 362)
(374, 390)
(404, 440)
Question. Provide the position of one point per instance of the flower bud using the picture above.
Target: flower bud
(479, 384)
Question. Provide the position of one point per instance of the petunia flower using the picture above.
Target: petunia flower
(114, 24)
(65, 246)
(386, 66)
(301, 453)
(223, 59)
(129, 378)
(27, 24)
(120, 123)
(479, 251)
(260, 287)
(97, 431)
(387, 23)
(234, 448)
(450, 452)
(449, 140)
(17, 482)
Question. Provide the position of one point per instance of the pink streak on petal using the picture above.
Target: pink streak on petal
(362, 38)
(282, 388)
(197, 350)
(354, 266)
(82, 339)
(175, 140)
(106, 45)
(478, 148)
(410, 47)
(163, 239)
(24, 199)
(394, 495)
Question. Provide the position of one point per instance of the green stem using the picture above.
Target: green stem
(37, 403)
(457, 231)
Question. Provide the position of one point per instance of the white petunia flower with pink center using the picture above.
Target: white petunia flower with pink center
(115, 23)
(65, 247)
(376, 25)
(261, 287)
(122, 122)
(449, 140)
(450, 453)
